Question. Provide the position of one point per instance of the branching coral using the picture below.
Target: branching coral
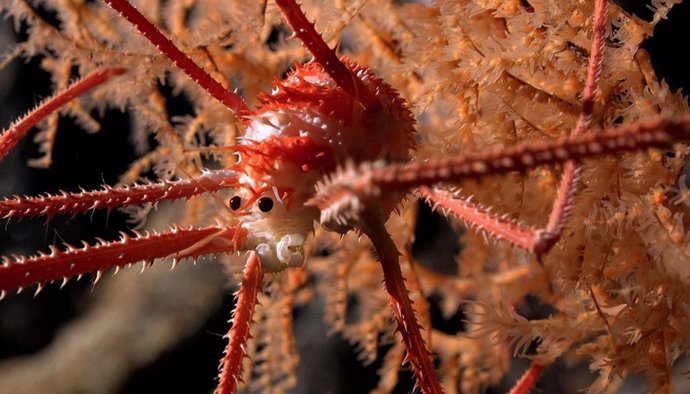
(478, 74)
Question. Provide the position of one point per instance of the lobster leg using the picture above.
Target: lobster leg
(342, 196)
(231, 100)
(326, 56)
(538, 241)
(417, 351)
(109, 197)
(19, 271)
(241, 323)
(528, 379)
(571, 170)
(11, 136)
(534, 240)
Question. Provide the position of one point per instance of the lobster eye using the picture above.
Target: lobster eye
(235, 203)
(265, 204)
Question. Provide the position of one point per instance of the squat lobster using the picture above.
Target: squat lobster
(330, 125)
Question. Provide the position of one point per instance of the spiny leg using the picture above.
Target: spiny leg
(326, 56)
(528, 379)
(417, 351)
(538, 241)
(341, 195)
(19, 271)
(11, 136)
(242, 318)
(109, 197)
(534, 240)
(347, 197)
(22, 271)
(571, 171)
(231, 100)
(479, 217)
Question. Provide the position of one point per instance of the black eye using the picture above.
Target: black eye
(235, 203)
(265, 204)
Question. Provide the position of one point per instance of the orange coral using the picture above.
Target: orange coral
(479, 74)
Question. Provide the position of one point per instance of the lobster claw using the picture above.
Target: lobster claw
(288, 253)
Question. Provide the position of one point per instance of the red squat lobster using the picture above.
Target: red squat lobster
(331, 117)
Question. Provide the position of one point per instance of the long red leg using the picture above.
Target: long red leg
(417, 351)
(571, 170)
(535, 240)
(232, 101)
(326, 56)
(518, 234)
(18, 130)
(528, 379)
(241, 323)
(340, 196)
(109, 197)
(19, 271)
(532, 239)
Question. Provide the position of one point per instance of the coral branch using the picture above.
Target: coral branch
(528, 379)
(342, 195)
(11, 136)
(325, 56)
(19, 271)
(109, 197)
(231, 100)
(241, 323)
(417, 351)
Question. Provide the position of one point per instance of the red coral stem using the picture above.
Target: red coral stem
(325, 56)
(50, 205)
(11, 136)
(231, 100)
(179, 243)
(241, 323)
(417, 351)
